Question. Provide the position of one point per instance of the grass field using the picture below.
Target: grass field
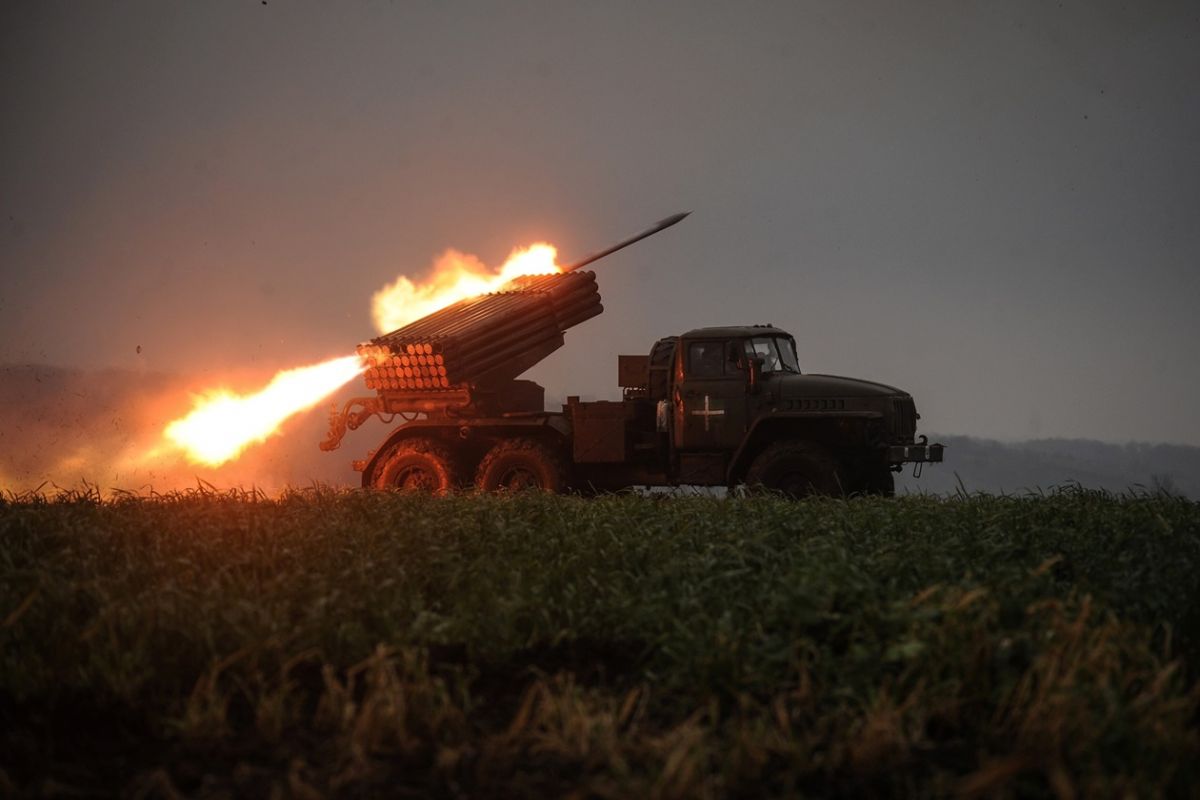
(373, 644)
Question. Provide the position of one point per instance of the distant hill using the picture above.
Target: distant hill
(1016, 467)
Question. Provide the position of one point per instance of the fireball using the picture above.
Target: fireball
(222, 424)
(455, 276)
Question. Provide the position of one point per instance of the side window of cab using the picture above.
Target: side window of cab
(708, 359)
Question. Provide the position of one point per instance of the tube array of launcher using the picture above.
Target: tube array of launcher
(485, 340)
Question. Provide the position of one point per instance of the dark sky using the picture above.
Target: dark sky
(994, 206)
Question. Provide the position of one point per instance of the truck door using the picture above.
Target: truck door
(710, 396)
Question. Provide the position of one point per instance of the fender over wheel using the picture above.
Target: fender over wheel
(419, 465)
(517, 464)
(795, 469)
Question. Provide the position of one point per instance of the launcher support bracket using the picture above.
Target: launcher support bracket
(356, 411)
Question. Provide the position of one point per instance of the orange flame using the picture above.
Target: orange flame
(222, 424)
(455, 276)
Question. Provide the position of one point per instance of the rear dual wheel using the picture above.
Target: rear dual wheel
(428, 465)
(416, 465)
(515, 465)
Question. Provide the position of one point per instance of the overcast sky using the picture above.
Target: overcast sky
(993, 206)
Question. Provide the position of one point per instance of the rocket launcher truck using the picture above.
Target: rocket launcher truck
(717, 406)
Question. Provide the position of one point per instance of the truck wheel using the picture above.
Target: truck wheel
(517, 464)
(795, 469)
(419, 465)
(879, 481)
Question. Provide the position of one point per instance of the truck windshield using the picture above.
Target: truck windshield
(778, 354)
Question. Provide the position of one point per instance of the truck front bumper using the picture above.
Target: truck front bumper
(901, 453)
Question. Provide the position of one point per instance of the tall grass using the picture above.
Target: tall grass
(330, 642)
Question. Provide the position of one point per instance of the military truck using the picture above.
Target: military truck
(717, 406)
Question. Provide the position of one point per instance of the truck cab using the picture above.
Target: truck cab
(731, 406)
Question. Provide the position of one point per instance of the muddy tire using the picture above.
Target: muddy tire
(878, 482)
(419, 465)
(518, 464)
(795, 469)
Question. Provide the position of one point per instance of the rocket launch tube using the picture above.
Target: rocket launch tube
(456, 345)
(658, 226)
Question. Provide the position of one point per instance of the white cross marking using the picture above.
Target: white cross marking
(708, 413)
